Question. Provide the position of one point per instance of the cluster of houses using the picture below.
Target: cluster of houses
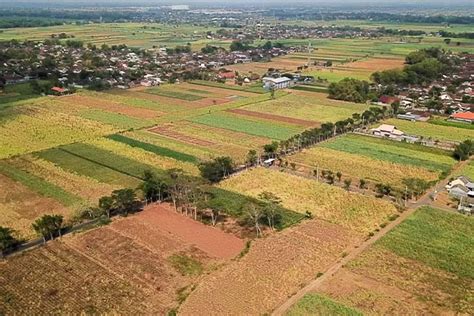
(121, 66)
(451, 95)
(462, 189)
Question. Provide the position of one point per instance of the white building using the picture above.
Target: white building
(277, 83)
(386, 130)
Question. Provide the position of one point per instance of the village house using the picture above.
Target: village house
(464, 117)
(389, 131)
(276, 83)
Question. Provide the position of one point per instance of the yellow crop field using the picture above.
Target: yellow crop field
(359, 166)
(357, 212)
(25, 129)
(143, 156)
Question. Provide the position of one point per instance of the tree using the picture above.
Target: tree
(254, 215)
(271, 209)
(270, 149)
(349, 89)
(48, 226)
(217, 169)
(382, 189)
(124, 200)
(464, 150)
(339, 176)
(347, 184)
(252, 158)
(7, 240)
(415, 187)
(153, 189)
(106, 203)
(362, 184)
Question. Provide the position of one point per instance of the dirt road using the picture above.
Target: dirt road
(425, 200)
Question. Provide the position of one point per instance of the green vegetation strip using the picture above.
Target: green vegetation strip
(118, 120)
(154, 149)
(252, 127)
(452, 124)
(315, 304)
(39, 185)
(311, 88)
(174, 94)
(253, 88)
(392, 151)
(439, 239)
(186, 265)
(73, 163)
(110, 160)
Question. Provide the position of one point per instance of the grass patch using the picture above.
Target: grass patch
(73, 163)
(397, 152)
(315, 304)
(438, 121)
(186, 265)
(118, 120)
(39, 185)
(255, 88)
(154, 149)
(311, 88)
(437, 238)
(252, 127)
(174, 94)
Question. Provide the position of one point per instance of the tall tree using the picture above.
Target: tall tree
(7, 240)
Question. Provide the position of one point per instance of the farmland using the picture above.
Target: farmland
(432, 131)
(309, 106)
(54, 277)
(310, 246)
(383, 160)
(319, 199)
(418, 267)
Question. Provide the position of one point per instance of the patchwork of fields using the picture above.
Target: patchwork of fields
(375, 160)
(419, 267)
(341, 220)
(155, 255)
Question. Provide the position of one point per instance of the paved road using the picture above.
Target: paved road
(425, 200)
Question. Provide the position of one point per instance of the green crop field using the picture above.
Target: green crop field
(154, 149)
(442, 122)
(309, 106)
(114, 119)
(256, 88)
(436, 238)
(397, 152)
(318, 305)
(421, 266)
(38, 185)
(85, 167)
(252, 127)
(174, 94)
(433, 131)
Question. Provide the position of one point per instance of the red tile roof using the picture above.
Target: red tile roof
(464, 116)
(58, 89)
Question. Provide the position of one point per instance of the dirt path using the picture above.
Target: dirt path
(425, 200)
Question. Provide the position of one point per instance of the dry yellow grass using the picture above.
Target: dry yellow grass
(359, 167)
(358, 212)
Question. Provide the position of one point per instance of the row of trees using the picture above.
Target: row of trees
(464, 150)
(422, 67)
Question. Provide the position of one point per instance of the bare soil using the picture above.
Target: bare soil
(278, 118)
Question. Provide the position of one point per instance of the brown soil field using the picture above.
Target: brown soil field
(374, 64)
(19, 206)
(278, 118)
(111, 106)
(56, 279)
(218, 92)
(166, 131)
(275, 267)
(388, 284)
(123, 268)
(210, 101)
(212, 241)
